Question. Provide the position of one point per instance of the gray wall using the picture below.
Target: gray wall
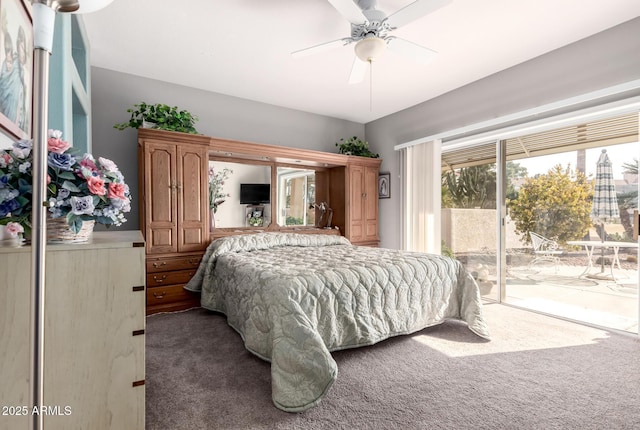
(600, 61)
(605, 59)
(219, 116)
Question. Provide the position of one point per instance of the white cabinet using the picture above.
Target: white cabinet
(94, 366)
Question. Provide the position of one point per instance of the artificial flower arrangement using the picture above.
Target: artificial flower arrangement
(216, 181)
(79, 187)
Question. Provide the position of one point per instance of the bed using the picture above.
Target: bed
(294, 298)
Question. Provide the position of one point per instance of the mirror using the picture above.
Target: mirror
(233, 179)
(296, 197)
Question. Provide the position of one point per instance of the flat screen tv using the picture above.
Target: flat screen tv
(255, 194)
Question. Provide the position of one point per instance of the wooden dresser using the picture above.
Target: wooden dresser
(174, 214)
(94, 368)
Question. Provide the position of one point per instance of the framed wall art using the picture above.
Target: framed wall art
(384, 185)
(16, 68)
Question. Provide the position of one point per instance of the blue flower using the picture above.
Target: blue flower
(7, 207)
(82, 205)
(61, 161)
(22, 148)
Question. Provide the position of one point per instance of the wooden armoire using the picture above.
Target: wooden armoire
(354, 199)
(174, 214)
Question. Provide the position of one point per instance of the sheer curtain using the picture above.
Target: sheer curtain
(421, 167)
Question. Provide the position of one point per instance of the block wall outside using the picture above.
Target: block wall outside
(471, 230)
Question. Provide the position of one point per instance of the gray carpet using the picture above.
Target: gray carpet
(537, 372)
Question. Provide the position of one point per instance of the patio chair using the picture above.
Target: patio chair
(545, 249)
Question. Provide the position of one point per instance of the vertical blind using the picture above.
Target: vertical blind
(421, 223)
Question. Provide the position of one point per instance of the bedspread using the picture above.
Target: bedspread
(294, 298)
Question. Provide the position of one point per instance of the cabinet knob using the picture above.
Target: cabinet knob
(159, 279)
(364, 195)
(159, 264)
(159, 295)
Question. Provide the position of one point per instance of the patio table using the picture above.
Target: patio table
(591, 245)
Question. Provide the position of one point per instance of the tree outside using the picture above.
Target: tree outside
(556, 205)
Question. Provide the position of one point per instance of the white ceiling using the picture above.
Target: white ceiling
(242, 47)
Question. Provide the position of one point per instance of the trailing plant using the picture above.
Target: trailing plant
(355, 146)
(161, 116)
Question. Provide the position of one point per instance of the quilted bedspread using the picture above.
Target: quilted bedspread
(295, 297)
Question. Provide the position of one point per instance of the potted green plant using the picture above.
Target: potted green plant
(355, 146)
(160, 116)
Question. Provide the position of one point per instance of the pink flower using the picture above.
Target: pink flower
(57, 145)
(14, 229)
(88, 162)
(96, 186)
(5, 159)
(116, 191)
(108, 165)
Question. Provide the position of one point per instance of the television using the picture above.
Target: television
(255, 194)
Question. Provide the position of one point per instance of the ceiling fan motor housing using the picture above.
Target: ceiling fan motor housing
(375, 25)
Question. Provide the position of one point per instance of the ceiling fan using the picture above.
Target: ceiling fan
(370, 30)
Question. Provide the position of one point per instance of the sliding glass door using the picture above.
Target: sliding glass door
(584, 267)
(526, 216)
(469, 218)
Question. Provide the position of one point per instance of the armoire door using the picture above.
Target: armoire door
(161, 208)
(192, 188)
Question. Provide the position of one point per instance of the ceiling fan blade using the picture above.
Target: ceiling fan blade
(349, 10)
(320, 48)
(358, 71)
(411, 50)
(413, 11)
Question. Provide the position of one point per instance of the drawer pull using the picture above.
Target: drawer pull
(159, 295)
(159, 264)
(193, 261)
(159, 279)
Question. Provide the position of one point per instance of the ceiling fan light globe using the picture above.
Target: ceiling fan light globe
(370, 48)
(88, 6)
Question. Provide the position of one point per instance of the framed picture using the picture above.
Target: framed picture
(384, 185)
(16, 68)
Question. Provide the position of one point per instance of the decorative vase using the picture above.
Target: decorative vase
(212, 219)
(58, 231)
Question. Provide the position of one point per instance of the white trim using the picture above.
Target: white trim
(595, 113)
(572, 101)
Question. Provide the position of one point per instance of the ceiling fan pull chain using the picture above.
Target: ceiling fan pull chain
(370, 85)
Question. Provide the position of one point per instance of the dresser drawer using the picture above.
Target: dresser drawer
(167, 264)
(169, 296)
(169, 278)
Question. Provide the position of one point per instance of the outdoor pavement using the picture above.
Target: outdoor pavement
(568, 292)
